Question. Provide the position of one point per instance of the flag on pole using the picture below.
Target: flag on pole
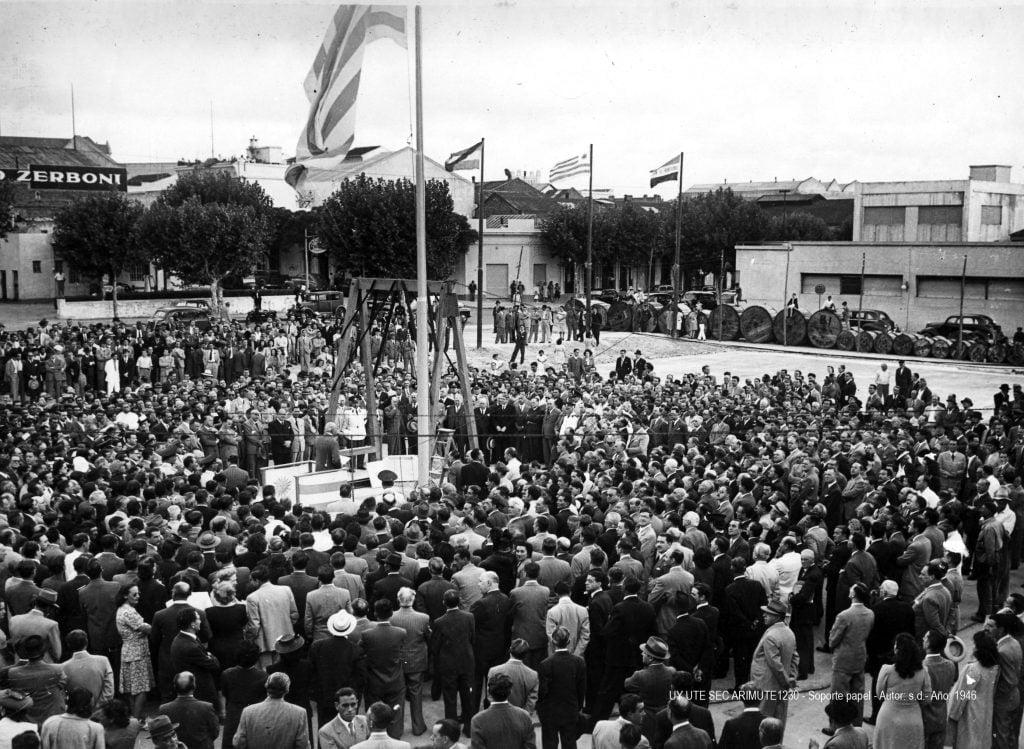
(570, 168)
(460, 159)
(332, 85)
(667, 172)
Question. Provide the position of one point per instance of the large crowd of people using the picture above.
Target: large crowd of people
(617, 543)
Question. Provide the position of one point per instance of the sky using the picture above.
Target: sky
(749, 90)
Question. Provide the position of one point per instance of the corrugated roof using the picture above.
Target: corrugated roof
(21, 152)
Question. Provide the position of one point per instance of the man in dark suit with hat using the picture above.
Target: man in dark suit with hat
(163, 733)
(653, 682)
(335, 662)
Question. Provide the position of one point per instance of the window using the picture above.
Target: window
(849, 285)
(939, 214)
(883, 224)
(992, 215)
(37, 266)
(976, 287)
(137, 272)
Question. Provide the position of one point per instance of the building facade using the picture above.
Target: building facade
(915, 282)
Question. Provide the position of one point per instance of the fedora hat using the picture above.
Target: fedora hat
(955, 649)
(776, 608)
(289, 643)
(656, 648)
(341, 624)
(160, 727)
(46, 597)
(207, 541)
(32, 647)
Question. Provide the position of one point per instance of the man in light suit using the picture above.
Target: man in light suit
(666, 589)
(273, 723)
(380, 717)
(86, 671)
(524, 679)
(570, 615)
(932, 605)
(414, 654)
(35, 622)
(529, 612)
(272, 613)
(467, 579)
(323, 603)
(773, 669)
(848, 640)
(502, 726)
(347, 728)
(684, 734)
(552, 569)
(606, 732)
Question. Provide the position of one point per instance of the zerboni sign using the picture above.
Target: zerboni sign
(69, 177)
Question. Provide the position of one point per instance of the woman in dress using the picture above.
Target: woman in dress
(970, 700)
(136, 665)
(120, 729)
(227, 619)
(902, 684)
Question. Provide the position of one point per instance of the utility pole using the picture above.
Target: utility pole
(480, 255)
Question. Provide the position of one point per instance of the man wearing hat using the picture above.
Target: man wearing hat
(15, 706)
(774, 666)
(44, 682)
(653, 682)
(334, 662)
(36, 622)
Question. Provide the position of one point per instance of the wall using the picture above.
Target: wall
(17, 252)
(144, 308)
(517, 247)
(764, 279)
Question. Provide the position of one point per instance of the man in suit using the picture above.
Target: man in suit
(430, 593)
(674, 585)
(572, 617)
(549, 429)
(414, 654)
(892, 616)
(721, 570)
(848, 640)
(451, 649)
(272, 613)
(501, 725)
(561, 693)
(69, 604)
(301, 585)
(274, 723)
(631, 622)
(524, 679)
(165, 629)
(335, 662)
(606, 732)
(385, 676)
(653, 682)
(690, 647)
(932, 605)
(1002, 626)
(86, 671)
(805, 608)
(35, 622)
(913, 561)
(99, 603)
(235, 477)
(492, 620)
(198, 726)
(347, 728)
(552, 569)
(769, 733)
(389, 585)
(741, 732)
(188, 654)
(860, 568)
(529, 613)
(323, 603)
(744, 599)
(684, 734)
(326, 450)
(44, 683)
(467, 579)
(773, 669)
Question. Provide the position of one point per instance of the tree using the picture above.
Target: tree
(96, 234)
(6, 207)
(369, 228)
(208, 226)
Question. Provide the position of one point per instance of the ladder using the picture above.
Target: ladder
(444, 445)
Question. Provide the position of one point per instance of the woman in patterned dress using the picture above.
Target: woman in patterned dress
(136, 666)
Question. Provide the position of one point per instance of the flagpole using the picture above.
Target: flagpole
(423, 421)
(588, 278)
(480, 256)
(677, 276)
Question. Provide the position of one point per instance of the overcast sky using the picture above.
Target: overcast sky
(749, 90)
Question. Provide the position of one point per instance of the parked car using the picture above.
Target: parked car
(123, 289)
(976, 328)
(189, 311)
(873, 320)
(323, 303)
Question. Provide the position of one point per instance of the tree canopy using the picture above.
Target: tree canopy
(97, 235)
(6, 207)
(369, 228)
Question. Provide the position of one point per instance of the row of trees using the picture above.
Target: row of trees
(211, 226)
(710, 224)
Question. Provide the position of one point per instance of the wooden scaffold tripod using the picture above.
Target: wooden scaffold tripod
(373, 302)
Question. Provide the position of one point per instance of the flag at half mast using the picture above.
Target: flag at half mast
(667, 172)
(570, 168)
(460, 159)
(332, 84)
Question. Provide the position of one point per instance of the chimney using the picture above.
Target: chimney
(990, 173)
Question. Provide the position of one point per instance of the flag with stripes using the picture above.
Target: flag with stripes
(570, 168)
(667, 172)
(332, 85)
(460, 159)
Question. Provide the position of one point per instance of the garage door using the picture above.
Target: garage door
(497, 280)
